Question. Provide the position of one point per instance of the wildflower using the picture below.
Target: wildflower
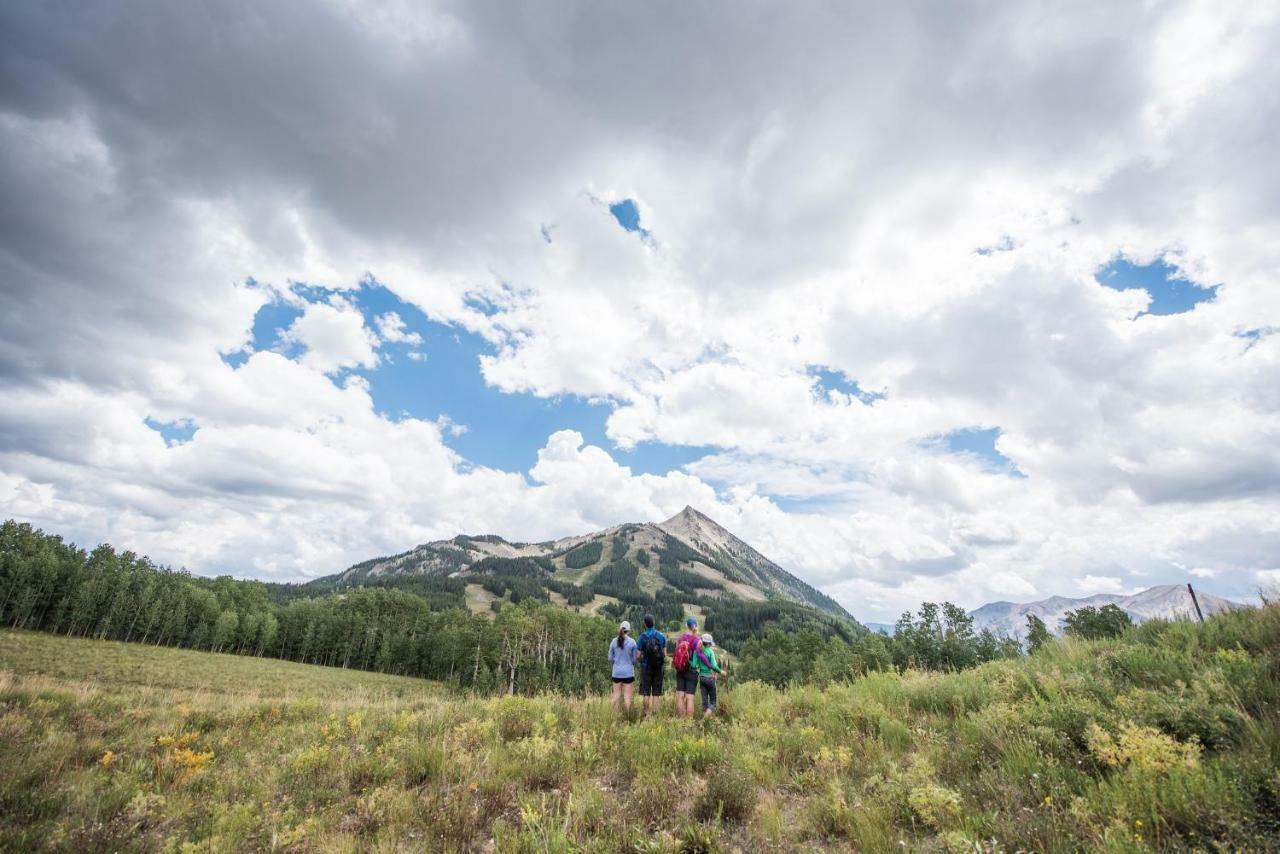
(190, 759)
(1048, 799)
(1137, 822)
(106, 758)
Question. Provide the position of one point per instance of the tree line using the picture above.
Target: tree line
(419, 625)
(49, 585)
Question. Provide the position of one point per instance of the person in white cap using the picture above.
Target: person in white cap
(622, 655)
(708, 669)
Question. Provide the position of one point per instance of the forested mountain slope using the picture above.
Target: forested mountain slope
(688, 561)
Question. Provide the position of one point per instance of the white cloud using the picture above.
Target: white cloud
(1203, 572)
(391, 328)
(334, 336)
(1100, 584)
(816, 186)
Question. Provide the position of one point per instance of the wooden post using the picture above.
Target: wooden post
(1195, 602)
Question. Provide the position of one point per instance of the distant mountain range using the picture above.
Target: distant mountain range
(703, 551)
(1168, 601)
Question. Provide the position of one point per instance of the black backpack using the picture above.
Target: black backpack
(653, 650)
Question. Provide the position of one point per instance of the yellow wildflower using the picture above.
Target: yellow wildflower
(106, 758)
(190, 759)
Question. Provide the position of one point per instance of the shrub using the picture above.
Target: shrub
(936, 805)
(729, 796)
(1142, 747)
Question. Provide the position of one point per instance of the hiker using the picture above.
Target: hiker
(688, 648)
(653, 661)
(708, 670)
(622, 655)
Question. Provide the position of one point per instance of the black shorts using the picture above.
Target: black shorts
(624, 680)
(687, 682)
(651, 682)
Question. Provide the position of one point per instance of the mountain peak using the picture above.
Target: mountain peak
(699, 530)
(728, 563)
(689, 512)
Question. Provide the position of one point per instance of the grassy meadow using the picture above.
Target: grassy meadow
(1166, 739)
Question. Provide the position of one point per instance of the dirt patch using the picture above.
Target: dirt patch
(479, 601)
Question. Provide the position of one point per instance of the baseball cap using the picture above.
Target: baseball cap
(624, 626)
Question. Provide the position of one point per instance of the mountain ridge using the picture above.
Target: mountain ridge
(695, 554)
(1167, 601)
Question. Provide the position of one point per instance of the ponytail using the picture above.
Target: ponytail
(621, 637)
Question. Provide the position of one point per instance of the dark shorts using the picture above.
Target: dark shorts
(687, 682)
(651, 681)
(708, 693)
(624, 680)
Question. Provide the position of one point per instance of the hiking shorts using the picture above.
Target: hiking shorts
(651, 681)
(708, 693)
(687, 682)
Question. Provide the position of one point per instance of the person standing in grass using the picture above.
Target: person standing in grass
(708, 670)
(653, 662)
(688, 648)
(622, 655)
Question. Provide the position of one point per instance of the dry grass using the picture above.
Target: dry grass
(1159, 742)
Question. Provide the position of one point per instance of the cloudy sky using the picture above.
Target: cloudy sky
(923, 300)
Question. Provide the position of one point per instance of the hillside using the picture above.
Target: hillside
(1164, 740)
(688, 556)
(1169, 601)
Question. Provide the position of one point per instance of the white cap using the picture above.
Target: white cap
(624, 626)
(707, 639)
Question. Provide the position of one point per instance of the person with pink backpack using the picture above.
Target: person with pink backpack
(688, 648)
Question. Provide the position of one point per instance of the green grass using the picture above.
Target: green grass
(1165, 740)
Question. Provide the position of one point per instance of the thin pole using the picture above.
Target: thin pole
(1195, 602)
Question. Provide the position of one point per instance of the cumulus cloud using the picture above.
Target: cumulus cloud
(391, 328)
(917, 199)
(333, 336)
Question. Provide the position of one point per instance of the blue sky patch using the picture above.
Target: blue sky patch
(173, 432)
(443, 380)
(268, 324)
(828, 380)
(1253, 336)
(1004, 244)
(981, 443)
(1170, 294)
(627, 213)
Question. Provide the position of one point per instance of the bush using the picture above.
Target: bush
(729, 796)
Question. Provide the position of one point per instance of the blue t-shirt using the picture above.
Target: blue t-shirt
(623, 660)
(644, 636)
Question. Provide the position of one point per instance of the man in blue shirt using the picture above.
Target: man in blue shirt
(653, 660)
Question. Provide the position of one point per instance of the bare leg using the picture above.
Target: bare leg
(617, 695)
(627, 689)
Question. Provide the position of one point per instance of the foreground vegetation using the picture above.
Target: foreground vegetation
(1167, 738)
